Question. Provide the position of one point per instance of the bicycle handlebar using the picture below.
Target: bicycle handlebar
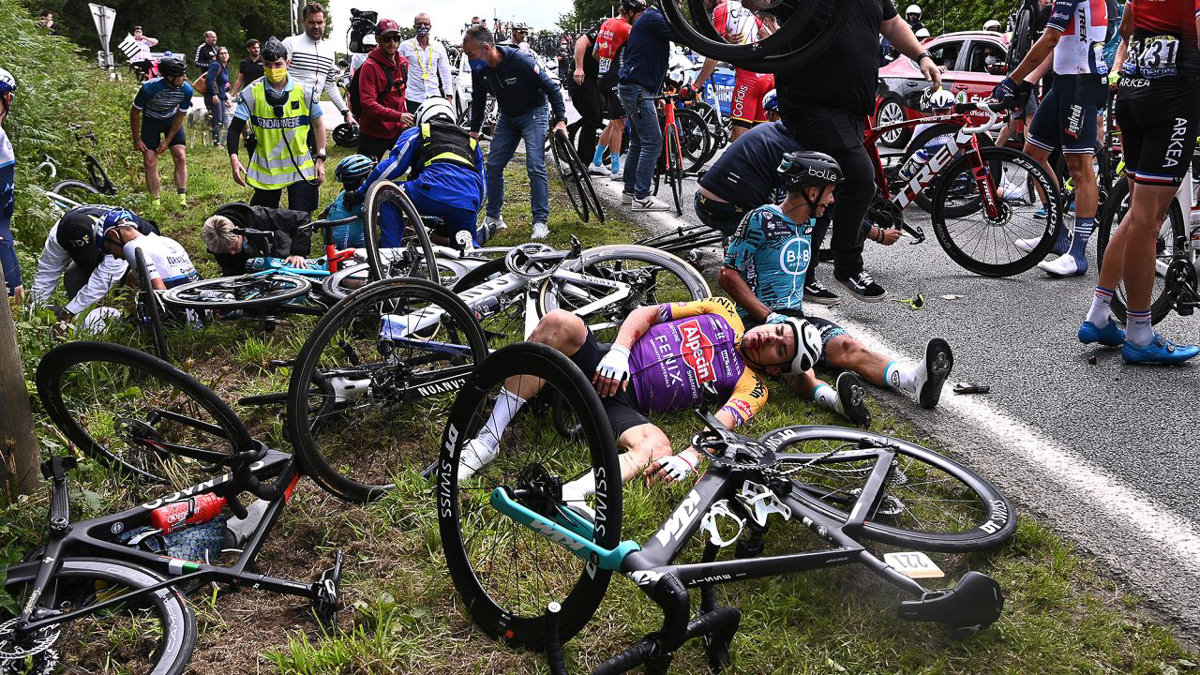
(991, 109)
(320, 223)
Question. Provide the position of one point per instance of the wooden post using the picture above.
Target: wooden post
(18, 446)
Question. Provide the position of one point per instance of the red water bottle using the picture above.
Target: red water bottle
(199, 509)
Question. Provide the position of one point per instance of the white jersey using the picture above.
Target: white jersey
(312, 64)
(736, 23)
(1083, 24)
(165, 258)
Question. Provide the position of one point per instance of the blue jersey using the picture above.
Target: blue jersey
(158, 100)
(447, 182)
(771, 253)
(349, 235)
(12, 271)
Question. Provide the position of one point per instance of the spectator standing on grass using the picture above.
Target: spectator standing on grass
(8, 257)
(156, 119)
(522, 89)
(217, 97)
(207, 51)
(141, 58)
(428, 66)
(381, 82)
(311, 61)
(640, 77)
(249, 68)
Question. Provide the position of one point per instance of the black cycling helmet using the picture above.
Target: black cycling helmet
(346, 135)
(272, 50)
(806, 168)
(633, 5)
(171, 67)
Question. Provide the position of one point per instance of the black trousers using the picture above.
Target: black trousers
(375, 147)
(586, 100)
(301, 197)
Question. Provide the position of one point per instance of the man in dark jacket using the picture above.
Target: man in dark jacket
(641, 76)
(233, 251)
(521, 89)
(382, 113)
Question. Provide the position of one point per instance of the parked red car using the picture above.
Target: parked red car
(975, 62)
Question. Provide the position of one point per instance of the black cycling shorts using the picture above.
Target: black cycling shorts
(621, 407)
(613, 108)
(153, 131)
(1158, 133)
(1067, 116)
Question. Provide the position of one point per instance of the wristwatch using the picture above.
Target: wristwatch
(925, 54)
(320, 155)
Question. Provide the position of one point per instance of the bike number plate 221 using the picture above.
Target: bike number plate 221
(913, 564)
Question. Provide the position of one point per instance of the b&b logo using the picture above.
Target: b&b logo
(697, 351)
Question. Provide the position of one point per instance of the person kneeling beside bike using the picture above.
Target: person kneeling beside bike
(668, 354)
(765, 265)
(233, 251)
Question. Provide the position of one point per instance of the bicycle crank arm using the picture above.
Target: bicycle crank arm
(566, 537)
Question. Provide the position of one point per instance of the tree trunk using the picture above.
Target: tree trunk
(18, 446)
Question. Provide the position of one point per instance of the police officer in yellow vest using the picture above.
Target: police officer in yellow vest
(281, 113)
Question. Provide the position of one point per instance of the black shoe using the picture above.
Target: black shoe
(825, 255)
(862, 286)
(816, 292)
(852, 394)
(938, 363)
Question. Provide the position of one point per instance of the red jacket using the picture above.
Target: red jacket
(381, 114)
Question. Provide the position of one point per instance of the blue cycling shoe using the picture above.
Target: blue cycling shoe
(1111, 335)
(1160, 350)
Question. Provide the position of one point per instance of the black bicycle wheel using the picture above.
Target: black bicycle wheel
(151, 634)
(151, 312)
(982, 244)
(414, 256)
(648, 277)
(570, 174)
(137, 413)
(1022, 37)
(76, 190)
(246, 291)
(1172, 244)
(960, 202)
(507, 573)
(929, 502)
(674, 168)
(345, 281)
(694, 139)
(372, 384)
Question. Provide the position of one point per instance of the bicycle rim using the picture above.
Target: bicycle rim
(414, 256)
(152, 312)
(694, 139)
(137, 413)
(373, 382)
(1171, 244)
(928, 501)
(153, 634)
(675, 168)
(248, 290)
(507, 573)
(569, 174)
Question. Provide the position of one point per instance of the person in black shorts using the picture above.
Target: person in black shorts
(584, 89)
(1157, 107)
(156, 120)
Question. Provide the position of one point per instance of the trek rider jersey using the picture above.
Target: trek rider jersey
(1084, 26)
(771, 253)
(693, 344)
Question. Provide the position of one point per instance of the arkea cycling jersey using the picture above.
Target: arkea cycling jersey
(165, 259)
(160, 101)
(1083, 24)
(771, 253)
(610, 43)
(1163, 44)
(695, 343)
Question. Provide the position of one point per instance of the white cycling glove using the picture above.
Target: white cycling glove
(615, 364)
(678, 467)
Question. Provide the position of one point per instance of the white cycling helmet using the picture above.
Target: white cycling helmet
(991, 24)
(922, 33)
(913, 9)
(941, 100)
(808, 346)
(7, 82)
(434, 106)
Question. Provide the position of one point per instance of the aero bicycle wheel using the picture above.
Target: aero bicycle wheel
(982, 244)
(151, 311)
(674, 168)
(1022, 36)
(242, 292)
(571, 174)
(929, 502)
(345, 281)
(137, 413)
(506, 573)
(413, 256)
(1170, 246)
(152, 634)
(373, 382)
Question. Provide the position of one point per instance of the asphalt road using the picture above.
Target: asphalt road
(1105, 453)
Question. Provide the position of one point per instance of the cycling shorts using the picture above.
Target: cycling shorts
(613, 109)
(748, 92)
(1158, 135)
(1067, 115)
(153, 131)
(621, 407)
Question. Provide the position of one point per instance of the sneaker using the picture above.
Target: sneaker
(183, 201)
(816, 292)
(626, 198)
(1160, 350)
(1064, 266)
(649, 204)
(1061, 246)
(1040, 214)
(862, 286)
(852, 394)
(599, 170)
(485, 232)
(495, 224)
(541, 230)
(1111, 335)
(475, 454)
(938, 363)
(619, 174)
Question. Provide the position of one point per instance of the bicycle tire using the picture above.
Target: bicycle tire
(345, 281)
(983, 515)
(924, 198)
(65, 375)
(695, 140)
(76, 582)
(1172, 239)
(567, 173)
(223, 293)
(1022, 38)
(468, 524)
(353, 445)
(999, 161)
(674, 168)
(781, 50)
(76, 190)
(149, 302)
(417, 256)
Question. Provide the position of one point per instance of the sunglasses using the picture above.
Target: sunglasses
(389, 38)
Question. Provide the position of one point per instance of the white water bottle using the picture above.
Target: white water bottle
(1195, 235)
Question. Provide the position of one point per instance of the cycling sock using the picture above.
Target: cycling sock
(1137, 327)
(598, 158)
(616, 162)
(828, 397)
(507, 405)
(906, 378)
(1098, 314)
(1083, 230)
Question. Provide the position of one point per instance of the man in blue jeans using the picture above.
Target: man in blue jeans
(521, 88)
(641, 76)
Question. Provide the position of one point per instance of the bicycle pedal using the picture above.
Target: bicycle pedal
(327, 594)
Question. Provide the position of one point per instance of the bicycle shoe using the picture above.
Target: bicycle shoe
(1060, 247)
(1160, 350)
(852, 394)
(475, 454)
(937, 365)
(1111, 335)
(1064, 266)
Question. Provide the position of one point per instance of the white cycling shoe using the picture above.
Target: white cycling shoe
(475, 455)
(1063, 266)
